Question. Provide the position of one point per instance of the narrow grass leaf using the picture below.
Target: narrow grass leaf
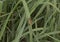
(1, 4)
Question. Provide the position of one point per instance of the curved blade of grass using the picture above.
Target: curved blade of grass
(52, 23)
(28, 17)
(20, 24)
(57, 40)
(33, 30)
(34, 22)
(20, 32)
(4, 15)
(20, 10)
(40, 11)
(37, 3)
(53, 6)
(26, 9)
(50, 33)
(35, 36)
(47, 22)
(44, 7)
(5, 23)
(48, 11)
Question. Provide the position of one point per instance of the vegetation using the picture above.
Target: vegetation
(29, 20)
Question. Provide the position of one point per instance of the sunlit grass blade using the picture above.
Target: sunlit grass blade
(28, 18)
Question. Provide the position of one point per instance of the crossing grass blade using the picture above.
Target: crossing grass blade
(6, 21)
(29, 20)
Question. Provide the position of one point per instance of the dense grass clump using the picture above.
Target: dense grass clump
(29, 20)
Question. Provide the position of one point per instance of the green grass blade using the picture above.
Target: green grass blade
(50, 33)
(1, 4)
(5, 23)
(17, 37)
